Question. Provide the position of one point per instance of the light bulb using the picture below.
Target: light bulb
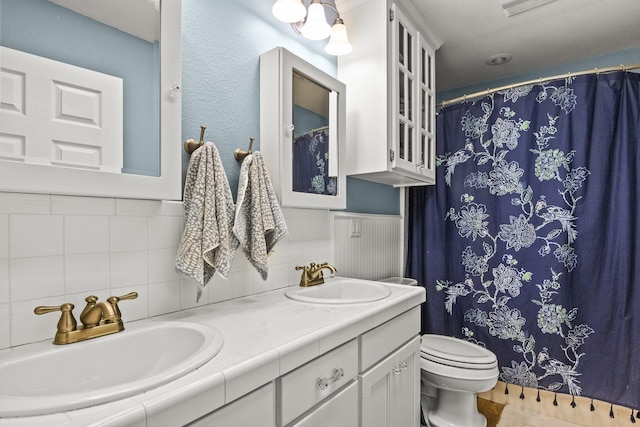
(339, 42)
(289, 10)
(316, 27)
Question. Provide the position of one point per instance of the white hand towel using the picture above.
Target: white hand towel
(259, 223)
(208, 243)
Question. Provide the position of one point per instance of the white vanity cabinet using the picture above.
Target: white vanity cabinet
(284, 363)
(390, 76)
(256, 409)
(390, 388)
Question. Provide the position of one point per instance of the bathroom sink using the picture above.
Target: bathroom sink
(43, 378)
(340, 290)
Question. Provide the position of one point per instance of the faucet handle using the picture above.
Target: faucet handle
(67, 322)
(115, 300)
(44, 309)
(130, 295)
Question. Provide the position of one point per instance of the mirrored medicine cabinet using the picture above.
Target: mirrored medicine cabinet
(150, 121)
(302, 131)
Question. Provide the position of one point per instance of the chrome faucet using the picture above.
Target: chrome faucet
(312, 274)
(98, 319)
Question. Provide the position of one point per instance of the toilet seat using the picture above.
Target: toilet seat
(455, 352)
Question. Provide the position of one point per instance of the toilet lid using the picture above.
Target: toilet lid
(456, 352)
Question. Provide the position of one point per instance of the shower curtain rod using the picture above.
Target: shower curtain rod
(536, 81)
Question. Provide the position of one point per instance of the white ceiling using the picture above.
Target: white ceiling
(558, 32)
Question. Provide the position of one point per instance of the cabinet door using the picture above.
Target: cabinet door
(405, 80)
(340, 410)
(390, 391)
(376, 395)
(256, 409)
(406, 383)
(426, 149)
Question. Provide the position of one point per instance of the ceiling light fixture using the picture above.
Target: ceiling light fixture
(513, 7)
(312, 23)
(499, 59)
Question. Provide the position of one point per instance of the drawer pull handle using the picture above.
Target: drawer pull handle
(336, 375)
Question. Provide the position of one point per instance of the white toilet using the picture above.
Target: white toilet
(456, 370)
(453, 372)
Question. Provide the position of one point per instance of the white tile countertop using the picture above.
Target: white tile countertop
(265, 336)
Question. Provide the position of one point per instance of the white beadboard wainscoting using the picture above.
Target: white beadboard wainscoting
(367, 246)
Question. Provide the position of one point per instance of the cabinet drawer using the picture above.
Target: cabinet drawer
(381, 341)
(339, 410)
(307, 385)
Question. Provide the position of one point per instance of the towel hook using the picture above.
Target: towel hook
(190, 145)
(240, 154)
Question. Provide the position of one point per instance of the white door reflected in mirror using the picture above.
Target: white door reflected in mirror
(136, 158)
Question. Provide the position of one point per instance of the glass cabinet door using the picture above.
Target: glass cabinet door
(406, 77)
(426, 144)
(413, 116)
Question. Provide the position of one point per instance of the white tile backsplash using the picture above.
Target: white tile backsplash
(219, 289)
(36, 277)
(165, 232)
(4, 281)
(12, 203)
(56, 249)
(4, 320)
(129, 268)
(164, 297)
(35, 235)
(28, 327)
(85, 234)
(86, 273)
(74, 205)
(139, 207)
(161, 265)
(129, 233)
(4, 236)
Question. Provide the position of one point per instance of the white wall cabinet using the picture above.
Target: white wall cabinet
(390, 76)
(302, 131)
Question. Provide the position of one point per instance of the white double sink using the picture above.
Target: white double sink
(43, 378)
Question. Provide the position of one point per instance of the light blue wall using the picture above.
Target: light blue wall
(221, 47)
(625, 57)
(42, 28)
(371, 197)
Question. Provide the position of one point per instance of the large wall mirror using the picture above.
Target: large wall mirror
(302, 119)
(91, 97)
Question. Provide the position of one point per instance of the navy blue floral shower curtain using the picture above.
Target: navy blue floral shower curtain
(529, 243)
